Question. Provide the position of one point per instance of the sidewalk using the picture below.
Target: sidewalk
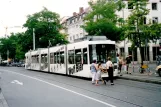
(145, 77)
(3, 102)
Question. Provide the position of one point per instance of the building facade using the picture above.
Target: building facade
(149, 53)
(72, 27)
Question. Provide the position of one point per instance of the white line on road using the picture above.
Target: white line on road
(102, 102)
(17, 82)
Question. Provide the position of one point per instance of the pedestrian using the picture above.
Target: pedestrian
(109, 66)
(124, 65)
(128, 61)
(120, 65)
(117, 59)
(93, 71)
(98, 74)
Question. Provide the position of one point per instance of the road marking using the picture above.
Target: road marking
(17, 82)
(102, 102)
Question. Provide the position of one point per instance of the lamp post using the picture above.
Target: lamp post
(124, 35)
(33, 38)
(7, 56)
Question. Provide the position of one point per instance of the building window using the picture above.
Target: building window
(122, 52)
(70, 21)
(81, 35)
(155, 52)
(134, 55)
(154, 6)
(155, 20)
(130, 5)
(70, 38)
(144, 20)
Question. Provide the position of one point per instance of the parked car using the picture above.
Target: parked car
(17, 64)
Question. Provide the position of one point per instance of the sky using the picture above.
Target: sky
(13, 12)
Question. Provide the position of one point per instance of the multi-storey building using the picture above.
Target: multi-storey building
(73, 29)
(72, 25)
(149, 53)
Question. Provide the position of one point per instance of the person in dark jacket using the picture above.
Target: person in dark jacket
(128, 61)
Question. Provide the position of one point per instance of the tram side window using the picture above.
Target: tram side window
(32, 59)
(78, 56)
(61, 57)
(58, 57)
(55, 58)
(37, 59)
(51, 58)
(85, 59)
(90, 54)
(71, 56)
(44, 58)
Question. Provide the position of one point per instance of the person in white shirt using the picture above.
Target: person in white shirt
(109, 67)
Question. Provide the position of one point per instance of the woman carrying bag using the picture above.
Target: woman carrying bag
(109, 67)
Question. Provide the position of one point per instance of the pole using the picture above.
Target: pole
(124, 35)
(7, 57)
(66, 59)
(48, 58)
(33, 38)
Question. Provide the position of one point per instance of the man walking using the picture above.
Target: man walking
(128, 61)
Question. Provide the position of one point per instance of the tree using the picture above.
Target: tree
(7, 44)
(136, 30)
(47, 26)
(102, 19)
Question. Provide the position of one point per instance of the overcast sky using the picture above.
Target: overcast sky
(14, 12)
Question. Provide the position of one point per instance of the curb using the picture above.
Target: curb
(140, 80)
(3, 101)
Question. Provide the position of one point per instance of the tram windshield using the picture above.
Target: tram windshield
(100, 52)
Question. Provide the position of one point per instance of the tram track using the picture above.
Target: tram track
(41, 76)
(118, 99)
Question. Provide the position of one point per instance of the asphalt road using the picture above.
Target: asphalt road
(24, 88)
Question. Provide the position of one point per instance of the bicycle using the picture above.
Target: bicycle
(144, 68)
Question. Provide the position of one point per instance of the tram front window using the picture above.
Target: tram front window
(100, 52)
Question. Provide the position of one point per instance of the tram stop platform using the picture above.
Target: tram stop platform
(149, 77)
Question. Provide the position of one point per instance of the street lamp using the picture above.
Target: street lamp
(33, 38)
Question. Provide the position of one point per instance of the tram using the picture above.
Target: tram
(72, 59)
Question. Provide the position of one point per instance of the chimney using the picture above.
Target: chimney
(81, 10)
(74, 13)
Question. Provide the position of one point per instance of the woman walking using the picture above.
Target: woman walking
(93, 71)
(98, 74)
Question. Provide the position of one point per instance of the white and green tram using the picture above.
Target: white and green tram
(74, 58)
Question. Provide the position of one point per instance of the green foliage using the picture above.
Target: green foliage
(8, 44)
(135, 26)
(135, 29)
(47, 26)
(102, 20)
